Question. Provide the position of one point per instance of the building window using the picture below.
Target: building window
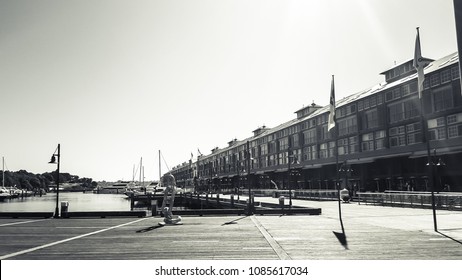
(396, 112)
(295, 141)
(353, 144)
(379, 139)
(367, 142)
(310, 136)
(438, 133)
(414, 138)
(272, 147)
(309, 153)
(454, 125)
(263, 149)
(323, 150)
(283, 144)
(370, 119)
(343, 146)
(325, 134)
(397, 136)
(313, 152)
(442, 99)
(347, 126)
(434, 80)
(331, 149)
(437, 128)
(455, 73)
(282, 158)
(406, 90)
(272, 160)
(455, 131)
(403, 110)
(379, 98)
(446, 76)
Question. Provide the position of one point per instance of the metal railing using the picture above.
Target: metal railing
(443, 201)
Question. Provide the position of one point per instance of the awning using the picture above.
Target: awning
(312, 166)
(439, 152)
(394, 155)
(361, 160)
(281, 170)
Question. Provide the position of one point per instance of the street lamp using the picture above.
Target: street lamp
(289, 172)
(435, 164)
(249, 159)
(345, 168)
(53, 160)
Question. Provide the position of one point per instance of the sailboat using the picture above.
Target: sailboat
(133, 189)
(4, 192)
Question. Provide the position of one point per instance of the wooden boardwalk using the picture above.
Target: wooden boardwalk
(372, 232)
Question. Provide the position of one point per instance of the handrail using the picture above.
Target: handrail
(444, 201)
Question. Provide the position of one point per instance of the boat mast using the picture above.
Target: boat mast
(159, 170)
(3, 172)
(141, 169)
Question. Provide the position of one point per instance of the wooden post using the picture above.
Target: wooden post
(132, 201)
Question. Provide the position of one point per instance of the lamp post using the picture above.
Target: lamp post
(345, 168)
(53, 160)
(433, 165)
(250, 206)
(289, 171)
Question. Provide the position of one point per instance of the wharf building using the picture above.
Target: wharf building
(381, 142)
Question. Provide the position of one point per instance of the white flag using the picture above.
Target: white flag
(332, 120)
(419, 64)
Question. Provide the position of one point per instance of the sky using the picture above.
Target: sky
(116, 81)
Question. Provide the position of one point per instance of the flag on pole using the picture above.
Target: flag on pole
(199, 154)
(419, 64)
(332, 120)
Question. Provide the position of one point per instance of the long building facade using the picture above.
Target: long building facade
(385, 135)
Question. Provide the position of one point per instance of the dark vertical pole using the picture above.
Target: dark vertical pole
(248, 178)
(57, 183)
(458, 20)
(337, 178)
(289, 153)
(430, 162)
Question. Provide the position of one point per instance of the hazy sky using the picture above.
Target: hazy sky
(114, 81)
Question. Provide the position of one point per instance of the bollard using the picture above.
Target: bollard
(154, 207)
(232, 200)
(281, 202)
(132, 201)
(64, 209)
(249, 210)
(218, 199)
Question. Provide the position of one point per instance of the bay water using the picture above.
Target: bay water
(77, 201)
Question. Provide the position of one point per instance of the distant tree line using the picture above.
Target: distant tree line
(23, 179)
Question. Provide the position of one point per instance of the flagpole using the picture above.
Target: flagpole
(419, 64)
(333, 124)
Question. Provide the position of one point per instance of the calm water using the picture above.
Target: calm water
(77, 202)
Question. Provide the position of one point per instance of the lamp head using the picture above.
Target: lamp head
(53, 159)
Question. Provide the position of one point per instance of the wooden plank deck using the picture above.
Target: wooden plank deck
(371, 233)
(26, 214)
